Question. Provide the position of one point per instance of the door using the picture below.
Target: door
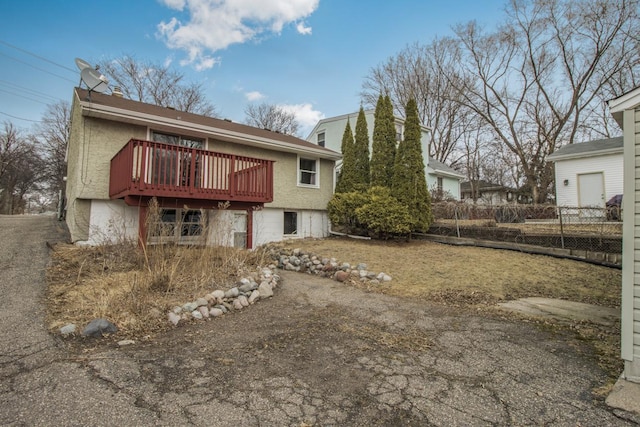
(591, 194)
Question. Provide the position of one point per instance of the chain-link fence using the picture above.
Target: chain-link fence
(566, 227)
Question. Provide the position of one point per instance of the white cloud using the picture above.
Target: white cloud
(254, 96)
(302, 29)
(216, 24)
(305, 114)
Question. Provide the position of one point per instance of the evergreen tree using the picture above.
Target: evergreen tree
(346, 179)
(409, 184)
(361, 153)
(378, 158)
(384, 144)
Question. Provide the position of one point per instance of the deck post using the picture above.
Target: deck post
(249, 228)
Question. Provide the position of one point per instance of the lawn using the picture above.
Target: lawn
(458, 274)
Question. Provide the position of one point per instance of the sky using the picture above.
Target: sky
(310, 57)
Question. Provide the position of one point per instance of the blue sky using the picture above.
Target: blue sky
(309, 56)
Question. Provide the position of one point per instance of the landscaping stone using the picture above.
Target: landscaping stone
(200, 302)
(216, 312)
(97, 327)
(68, 329)
(341, 276)
(123, 343)
(232, 293)
(204, 310)
(218, 294)
(196, 315)
(255, 295)
(174, 318)
(266, 290)
(237, 304)
(189, 307)
(243, 300)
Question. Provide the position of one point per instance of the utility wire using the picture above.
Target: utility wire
(20, 118)
(37, 68)
(21, 95)
(26, 89)
(38, 56)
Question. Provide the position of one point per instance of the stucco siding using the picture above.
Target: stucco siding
(286, 191)
(611, 166)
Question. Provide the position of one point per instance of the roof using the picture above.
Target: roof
(627, 101)
(441, 169)
(484, 186)
(124, 110)
(369, 113)
(597, 147)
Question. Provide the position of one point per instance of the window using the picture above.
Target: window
(440, 185)
(290, 223)
(308, 172)
(321, 139)
(185, 141)
(178, 224)
(398, 132)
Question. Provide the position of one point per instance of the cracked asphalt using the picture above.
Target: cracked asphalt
(319, 353)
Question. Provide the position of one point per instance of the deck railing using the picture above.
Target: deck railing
(146, 168)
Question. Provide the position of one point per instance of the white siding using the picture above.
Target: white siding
(610, 165)
(112, 221)
(268, 225)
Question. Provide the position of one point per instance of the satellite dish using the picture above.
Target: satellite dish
(95, 81)
(82, 64)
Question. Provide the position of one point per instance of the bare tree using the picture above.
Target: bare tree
(51, 136)
(272, 117)
(20, 169)
(536, 78)
(156, 84)
(418, 72)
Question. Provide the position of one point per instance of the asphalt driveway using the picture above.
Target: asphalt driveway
(318, 353)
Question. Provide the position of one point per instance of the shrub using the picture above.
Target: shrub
(342, 209)
(383, 214)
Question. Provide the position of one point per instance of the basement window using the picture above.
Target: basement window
(290, 223)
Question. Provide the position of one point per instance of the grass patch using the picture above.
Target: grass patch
(457, 274)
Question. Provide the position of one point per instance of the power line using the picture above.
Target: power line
(26, 89)
(37, 68)
(37, 56)
(21, 95)
(20, 118)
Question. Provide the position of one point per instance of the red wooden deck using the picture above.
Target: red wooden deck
(143, 169)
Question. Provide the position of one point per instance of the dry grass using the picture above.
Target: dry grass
(461, 274)
(135, 288)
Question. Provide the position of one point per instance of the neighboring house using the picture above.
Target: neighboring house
(216, 182)
(487, 193)
(587, 174)
(626, 111)
(440, 177)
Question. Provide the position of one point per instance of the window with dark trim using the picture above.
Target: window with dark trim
(321, 139)
(175, 224)
(290, 223)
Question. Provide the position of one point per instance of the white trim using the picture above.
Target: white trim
(628, 101)
(628, 235)
(317, 172)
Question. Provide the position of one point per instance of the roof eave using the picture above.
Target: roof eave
(594, 153)
(106, 112)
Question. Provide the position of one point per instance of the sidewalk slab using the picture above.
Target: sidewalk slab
(563, 310)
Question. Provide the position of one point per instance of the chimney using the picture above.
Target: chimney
(117, 92)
